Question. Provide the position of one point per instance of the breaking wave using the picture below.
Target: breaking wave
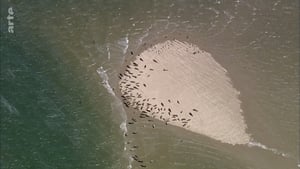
(259, 145)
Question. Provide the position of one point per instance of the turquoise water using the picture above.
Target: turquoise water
(57, 111)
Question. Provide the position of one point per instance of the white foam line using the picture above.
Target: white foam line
(104, 78)
(130, 163)
(123, 42)
(93, 64)
(103, 75)
(12, 109)
(123, 126)
(108, 51)
(275, 151)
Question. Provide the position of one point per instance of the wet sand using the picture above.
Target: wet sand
(181, 85)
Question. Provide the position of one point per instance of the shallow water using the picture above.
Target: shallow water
(58, 111)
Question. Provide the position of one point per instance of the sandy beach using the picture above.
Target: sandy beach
(181, 85)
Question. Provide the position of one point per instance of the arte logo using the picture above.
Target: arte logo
(10, 19)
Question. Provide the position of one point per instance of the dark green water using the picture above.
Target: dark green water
(56, 112)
